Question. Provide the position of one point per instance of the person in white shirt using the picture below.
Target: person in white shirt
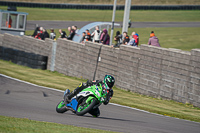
(96, 35)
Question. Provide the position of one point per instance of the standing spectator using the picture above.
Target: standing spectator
(45, 34)
(129, 23)
(71, 33)
(96, 35)
(118, 39)
(126, 38)
(136, 37)
(105, 38)
(132, 42)
(75, 29)
(52, 34)
(38, 36)
(83, 39)
(62, 33)
(153, 40)
(39, 33)
(87, 35)
(36, 31)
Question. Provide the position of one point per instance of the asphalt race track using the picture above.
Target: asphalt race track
(22, 100)
(64, 24)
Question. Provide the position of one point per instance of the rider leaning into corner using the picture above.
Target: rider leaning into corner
(106, 84)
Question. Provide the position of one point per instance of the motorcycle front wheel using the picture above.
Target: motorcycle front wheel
(86, 105)
(61, 108)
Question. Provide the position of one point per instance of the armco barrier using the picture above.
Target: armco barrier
(100, 7)
(154, 71)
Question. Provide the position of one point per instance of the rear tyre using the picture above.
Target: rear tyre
(61, 108)
(85, 106)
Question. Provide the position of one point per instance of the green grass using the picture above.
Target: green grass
(60, 81)
(106, 15)
(184, 38)
(16, 125)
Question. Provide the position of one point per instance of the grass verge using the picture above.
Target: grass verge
(16, 125)
(60, 81)
(184, 38)
(106, 15)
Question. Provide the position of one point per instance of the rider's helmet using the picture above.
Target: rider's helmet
(109, 81)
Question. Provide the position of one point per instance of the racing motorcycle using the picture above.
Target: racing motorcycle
(85, 101)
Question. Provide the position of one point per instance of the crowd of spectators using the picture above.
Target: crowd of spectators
(97, 36)
(41, 33)
(71, 32)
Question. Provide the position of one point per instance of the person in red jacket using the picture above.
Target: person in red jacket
(136, 37)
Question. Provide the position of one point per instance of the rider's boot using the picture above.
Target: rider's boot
(75, 92)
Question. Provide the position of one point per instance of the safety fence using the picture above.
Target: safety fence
(154, 71)
(100, 7)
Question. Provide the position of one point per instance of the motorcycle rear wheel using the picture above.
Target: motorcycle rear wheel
(84, 107)
(61, 108)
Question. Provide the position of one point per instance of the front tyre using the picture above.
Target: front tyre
(61, 108)
(85, 106)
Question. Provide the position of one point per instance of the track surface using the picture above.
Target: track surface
(22, 100)
(64, 24)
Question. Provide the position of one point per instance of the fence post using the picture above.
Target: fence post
(53, 55)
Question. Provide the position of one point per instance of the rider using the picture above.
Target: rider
(107, 83)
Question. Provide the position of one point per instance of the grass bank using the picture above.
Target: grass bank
(60, 81)
(17, 125)
(106, 15)
(184, 38)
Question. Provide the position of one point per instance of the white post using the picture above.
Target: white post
(113, 21)
(126, 15)
(53, 56)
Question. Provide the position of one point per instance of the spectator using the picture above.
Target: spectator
(105, 38)
(153, 40)
(36, 31)
(52, 34)
(9, 25)
(63, 34)
(136, 37)
(75, 29)
(129, 23)
(87, 35)
(118, 39)
(83, 39)
(45, 34)
(132, 42)
(96, 35)
(126, 38)
(39, 33)
(71, 33)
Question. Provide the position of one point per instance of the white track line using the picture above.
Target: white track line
(109, 103)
